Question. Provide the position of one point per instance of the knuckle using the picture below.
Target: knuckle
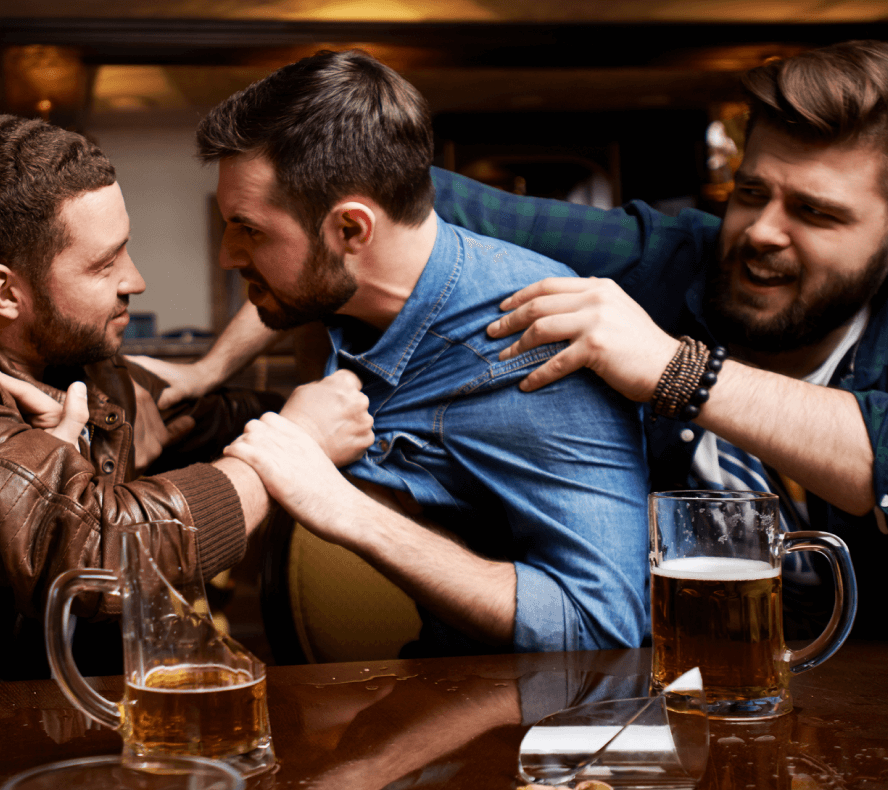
(531, 312)
(610, 288)
(556, 364)
(534, 332)
(349, 377)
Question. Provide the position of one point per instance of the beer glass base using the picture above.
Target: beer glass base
(257, 761)
(251, 763)
(740, 709)
(747, 709)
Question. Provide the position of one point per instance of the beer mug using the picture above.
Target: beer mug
(189, 688)
(716, 601)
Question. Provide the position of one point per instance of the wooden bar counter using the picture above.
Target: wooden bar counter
(457, 723)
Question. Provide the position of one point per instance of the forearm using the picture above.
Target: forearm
(471, 593)
(514, 218)
(238, 345)
(814, 435)
(589, 240)
(245, 338)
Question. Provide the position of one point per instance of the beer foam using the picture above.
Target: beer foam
(716, 568)
(187, 671)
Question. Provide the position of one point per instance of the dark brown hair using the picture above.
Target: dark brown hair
(41, 166)
(836, 94)
(334, 124)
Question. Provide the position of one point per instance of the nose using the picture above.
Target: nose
(231, 254)
(131, 281)
(768, 229)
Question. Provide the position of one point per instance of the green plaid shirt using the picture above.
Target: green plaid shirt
(656, 259)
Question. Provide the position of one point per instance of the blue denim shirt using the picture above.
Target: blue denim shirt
(554, 481)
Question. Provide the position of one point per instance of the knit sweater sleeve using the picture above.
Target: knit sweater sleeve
(216, 514)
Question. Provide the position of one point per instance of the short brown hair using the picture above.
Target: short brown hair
(333, 124)
(41, 166)
(835, 94)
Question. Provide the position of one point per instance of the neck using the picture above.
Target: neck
(388, 270)
(18, 351)
(799, 363)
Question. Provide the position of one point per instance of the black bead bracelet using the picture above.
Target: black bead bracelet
(691, 410)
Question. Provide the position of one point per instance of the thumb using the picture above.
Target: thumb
(75, 415)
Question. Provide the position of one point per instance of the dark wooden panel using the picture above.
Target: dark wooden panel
(488, 44)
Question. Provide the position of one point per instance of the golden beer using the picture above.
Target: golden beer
(205, 710)
(725, 616)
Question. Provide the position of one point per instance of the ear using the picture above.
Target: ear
(11, 293)
(350, 225)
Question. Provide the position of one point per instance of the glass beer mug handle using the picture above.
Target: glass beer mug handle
(58, 640)
(845, 607)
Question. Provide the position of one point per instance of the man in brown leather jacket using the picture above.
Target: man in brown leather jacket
(65, 282)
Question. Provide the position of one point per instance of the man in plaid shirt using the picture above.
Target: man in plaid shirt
(792, 282)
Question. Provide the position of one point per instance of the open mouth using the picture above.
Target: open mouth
(758, 275)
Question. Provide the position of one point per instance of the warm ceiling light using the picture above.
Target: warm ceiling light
(392, 11)
(39, 79)
(135, 88)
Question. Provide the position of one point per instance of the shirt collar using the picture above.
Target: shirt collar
(389, 356)
(871, 358)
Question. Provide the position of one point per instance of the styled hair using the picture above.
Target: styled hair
(333, 124)
(42, 166)
(835, 94)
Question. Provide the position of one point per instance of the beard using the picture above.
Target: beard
(61, 341)
(324, 287)
(733, 318)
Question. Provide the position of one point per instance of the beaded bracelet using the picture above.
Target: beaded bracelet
(684, 386)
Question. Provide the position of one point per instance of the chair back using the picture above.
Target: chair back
(322, 603)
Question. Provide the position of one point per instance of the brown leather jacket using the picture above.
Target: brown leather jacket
(61, 507)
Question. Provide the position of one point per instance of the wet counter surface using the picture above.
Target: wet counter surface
(457, 723)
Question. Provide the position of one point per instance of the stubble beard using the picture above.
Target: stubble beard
(805, 322)
(326, 285)
(61, 341)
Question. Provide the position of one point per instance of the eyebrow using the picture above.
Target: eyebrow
(239, 219)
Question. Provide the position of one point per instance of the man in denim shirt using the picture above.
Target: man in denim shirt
(533, 533)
